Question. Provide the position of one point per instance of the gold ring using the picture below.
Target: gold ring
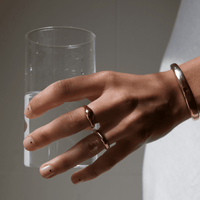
(103, 140)
(89, 115)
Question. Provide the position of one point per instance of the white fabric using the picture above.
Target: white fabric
(171, 168)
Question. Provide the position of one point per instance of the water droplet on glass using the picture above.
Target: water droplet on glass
(73, 70)
(37, 52)
(90, 49)
(75, 56)
(31, 69)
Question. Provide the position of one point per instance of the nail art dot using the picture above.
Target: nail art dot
(31, 142)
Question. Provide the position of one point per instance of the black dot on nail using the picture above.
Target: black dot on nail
(31, 142)
(79, 179)
(50, 170)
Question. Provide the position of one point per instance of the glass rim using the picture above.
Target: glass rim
(59, 27)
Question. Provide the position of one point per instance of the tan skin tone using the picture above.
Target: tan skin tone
(131, 109)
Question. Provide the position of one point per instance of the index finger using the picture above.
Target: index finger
(67, 90)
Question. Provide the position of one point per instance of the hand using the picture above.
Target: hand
(131, 109)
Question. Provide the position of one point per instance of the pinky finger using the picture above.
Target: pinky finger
(104, 163)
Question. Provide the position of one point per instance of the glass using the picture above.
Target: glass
(52, 54)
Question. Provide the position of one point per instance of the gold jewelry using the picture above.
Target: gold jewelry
(186, 91)
(89, 115)
(105, 143)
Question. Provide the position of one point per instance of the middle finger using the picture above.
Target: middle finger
(63, 126)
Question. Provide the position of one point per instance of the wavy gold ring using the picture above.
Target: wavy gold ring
(103, 140)
(89, 115)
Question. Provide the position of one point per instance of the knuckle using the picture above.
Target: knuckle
(74, 121)
(64, 163)
(77, 121)
(62, 86)
(44, 135)
(107, 76)
(92, 147)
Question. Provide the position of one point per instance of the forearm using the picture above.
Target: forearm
(191, 71)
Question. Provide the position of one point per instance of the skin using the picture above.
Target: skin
(132, 110)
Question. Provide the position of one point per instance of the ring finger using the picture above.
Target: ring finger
(83, 150)
(89, 147)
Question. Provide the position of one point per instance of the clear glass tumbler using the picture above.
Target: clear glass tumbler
(52, 54)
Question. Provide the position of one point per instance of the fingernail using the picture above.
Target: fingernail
(28, 143)
(47, 171)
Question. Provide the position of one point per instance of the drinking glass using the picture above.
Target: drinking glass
(52, 54)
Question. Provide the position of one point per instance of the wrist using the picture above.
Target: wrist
(177, 101)
(191, 71)
(186, 91)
